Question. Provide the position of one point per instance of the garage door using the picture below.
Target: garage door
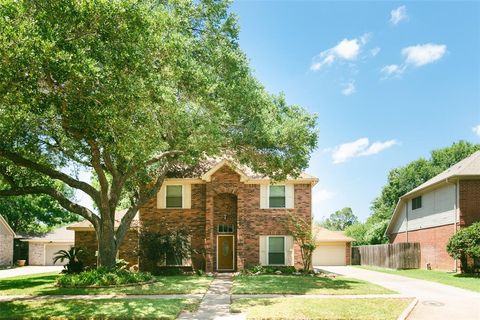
(50, 253)
(329, 254)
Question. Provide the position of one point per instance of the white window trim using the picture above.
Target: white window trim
(166, 193)
(267, 250)
(285, 195)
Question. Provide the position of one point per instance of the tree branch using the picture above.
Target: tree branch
(57, 195)
(52, 173)
(102, 178)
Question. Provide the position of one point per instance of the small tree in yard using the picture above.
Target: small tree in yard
(465, 245)
(130, 90)
(301, 231)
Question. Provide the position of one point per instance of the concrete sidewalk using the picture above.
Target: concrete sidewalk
(436, 300)
(28, 270)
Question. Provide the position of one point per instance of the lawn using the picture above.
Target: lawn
(97, 309)
(329, 308)
(43, 284)
(469, 282)
(264, 284)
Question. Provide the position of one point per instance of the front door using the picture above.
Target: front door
(225, 252)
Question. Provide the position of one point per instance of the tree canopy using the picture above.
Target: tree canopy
(129, 89)
(340, 220)
(400, 181)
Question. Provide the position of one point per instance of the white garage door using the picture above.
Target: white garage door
(329, 254)
(50, 253)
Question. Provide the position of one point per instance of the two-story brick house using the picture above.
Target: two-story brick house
(236, 217)
(434, 211)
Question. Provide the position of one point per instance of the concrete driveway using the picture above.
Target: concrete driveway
(436, 301)
(28, 270)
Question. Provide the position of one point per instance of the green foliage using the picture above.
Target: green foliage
(129, 90)
(340, 220)
(465, 244)
(73, 256)
(269, 270)
(301, 231)
(402, 180)
(102, 277)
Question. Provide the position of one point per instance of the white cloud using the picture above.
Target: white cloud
(375, 51)
(347, 49)
(358, 148)
(476, 130)
(398, 15)
(349, 89)
(422, 54)
(323, 195)
(416, 56)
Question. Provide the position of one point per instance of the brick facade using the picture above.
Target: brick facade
(469, 196)
(433, 243)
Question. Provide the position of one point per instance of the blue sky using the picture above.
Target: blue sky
(390, 81)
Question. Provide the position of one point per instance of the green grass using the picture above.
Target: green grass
(96, 309)
(469, 282)
(330, 308)
(43, 284)
(264, 284)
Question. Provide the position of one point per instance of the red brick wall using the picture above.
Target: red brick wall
(433, 243)
(88, 241)
(469, 195)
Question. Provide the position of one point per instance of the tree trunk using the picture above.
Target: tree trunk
(107, 248)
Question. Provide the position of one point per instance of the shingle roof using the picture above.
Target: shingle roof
(85, 224)
(469, 166)
(325, 235)
(61, 234)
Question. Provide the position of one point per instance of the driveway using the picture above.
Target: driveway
(23, 271)
(436, 300)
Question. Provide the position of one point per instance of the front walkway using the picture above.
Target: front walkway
(436, 300)
(28, 270)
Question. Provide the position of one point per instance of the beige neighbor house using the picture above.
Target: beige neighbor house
(236, 219)
(6, 243)
(334, 248)
(42, 250)
(431, 213)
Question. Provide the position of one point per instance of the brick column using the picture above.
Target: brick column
(239, 250)
(209, 240)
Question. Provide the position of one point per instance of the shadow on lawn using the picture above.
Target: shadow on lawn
(27, 283)
(467, 275)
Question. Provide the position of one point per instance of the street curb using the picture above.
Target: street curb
(404, 315)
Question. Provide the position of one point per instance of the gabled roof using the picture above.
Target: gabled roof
(7, 226)
(325, 235)
(207, 176)
(467, 168)
(85, 225)
(62, 234)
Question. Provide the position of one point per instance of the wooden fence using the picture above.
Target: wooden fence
(394, 256)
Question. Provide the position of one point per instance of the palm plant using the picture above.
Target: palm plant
(73, 255)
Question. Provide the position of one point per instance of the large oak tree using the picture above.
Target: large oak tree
(130, 89)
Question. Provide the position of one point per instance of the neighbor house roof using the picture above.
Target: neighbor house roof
(467, 168)
(7, 226)
(85, 225)
(62, 234)
(324, 235)
(205, 170)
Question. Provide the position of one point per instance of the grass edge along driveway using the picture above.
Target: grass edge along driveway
(289, 284)
(325, 309)
(43, 284)
(467, 282)
(97, 309)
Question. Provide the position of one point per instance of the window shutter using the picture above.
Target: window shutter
(161, 197)
(289, 252)
(264, 196)
(289, 196)
(263, 250)
(187, 196)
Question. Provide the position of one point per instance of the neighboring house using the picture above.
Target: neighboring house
(431, 213)
(334, 248)
(236, 218)
(6, 243)
(42, 250)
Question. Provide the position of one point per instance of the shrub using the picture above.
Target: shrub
(465, 244)
(172, 270)
(73, 255)
(103, 277)
(269, 270)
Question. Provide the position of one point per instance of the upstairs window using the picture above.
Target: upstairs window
(174, 197)
(417, 203)
(277, 197)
